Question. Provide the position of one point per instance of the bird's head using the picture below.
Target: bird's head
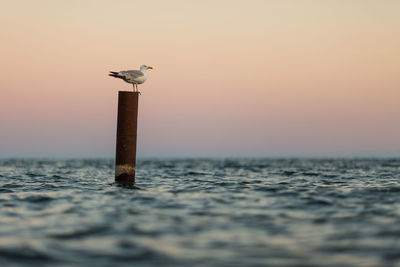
(145, 67)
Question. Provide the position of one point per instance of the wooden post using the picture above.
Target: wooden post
(125, 156)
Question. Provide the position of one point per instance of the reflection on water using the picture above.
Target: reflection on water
(201, 212)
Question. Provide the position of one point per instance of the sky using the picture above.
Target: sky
(231, 78)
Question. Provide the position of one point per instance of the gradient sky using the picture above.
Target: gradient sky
(230, 79)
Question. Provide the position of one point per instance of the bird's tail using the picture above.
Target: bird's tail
(115, 74)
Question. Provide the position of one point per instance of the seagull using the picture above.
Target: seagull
(134, 77)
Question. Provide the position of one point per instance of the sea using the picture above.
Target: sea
(201, 212)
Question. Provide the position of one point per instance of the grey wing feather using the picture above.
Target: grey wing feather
(132, 74)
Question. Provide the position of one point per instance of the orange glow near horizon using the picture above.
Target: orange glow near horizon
(261, 78)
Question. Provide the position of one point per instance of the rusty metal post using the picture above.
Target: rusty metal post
(125, 157)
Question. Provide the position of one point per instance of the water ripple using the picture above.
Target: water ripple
(228, 212)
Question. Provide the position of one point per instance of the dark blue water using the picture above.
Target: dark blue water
(201, 213)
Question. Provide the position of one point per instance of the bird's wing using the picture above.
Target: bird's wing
(131, 74)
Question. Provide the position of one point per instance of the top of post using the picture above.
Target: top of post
(128, 93)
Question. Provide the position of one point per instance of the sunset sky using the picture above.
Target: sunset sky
(230, 79)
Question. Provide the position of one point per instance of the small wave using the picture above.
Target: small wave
(224, 184)
(24, 255)
(137, 231)
(267, 188)
(288, 173)
(57, 177)
(394, 189)
(38, 198)
(310, 173)
(392, 256)
(195, 173)
(31, 174)
(12, 185)
(5, 190)
(390, 233)
(318, 201)
(81, 233)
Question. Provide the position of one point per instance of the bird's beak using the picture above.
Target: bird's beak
(149, 68)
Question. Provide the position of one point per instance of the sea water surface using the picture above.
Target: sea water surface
(201, 212)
